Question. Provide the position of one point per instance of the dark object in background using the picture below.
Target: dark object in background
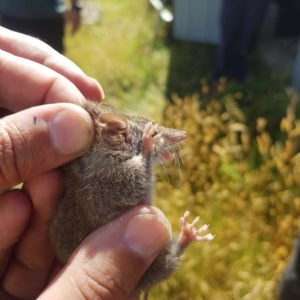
(288, 24)
(289, 288)
(49, 30)
(240, 22)
(43, 19)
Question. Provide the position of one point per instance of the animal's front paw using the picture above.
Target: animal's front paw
(190, 233)
(150, 136)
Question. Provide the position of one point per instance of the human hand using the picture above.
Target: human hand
(36, 138)
(34, 50)
(32, 75)
(39, 133)
(73, 18)
(111, 260)
(107, 265)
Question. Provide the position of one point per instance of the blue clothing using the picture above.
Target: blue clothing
(289, 287)
(32, 9)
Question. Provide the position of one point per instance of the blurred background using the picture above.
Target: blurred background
(239, 169)
(240, 166)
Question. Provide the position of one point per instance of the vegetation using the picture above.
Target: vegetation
(241, 166)
(252, 204)
(116, 50)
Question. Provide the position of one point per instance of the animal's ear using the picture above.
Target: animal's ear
(113, 122)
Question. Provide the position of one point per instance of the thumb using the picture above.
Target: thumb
(110, 261)
(40, 139)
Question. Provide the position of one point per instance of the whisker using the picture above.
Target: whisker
(180, 154)
(179, 165)
(163, 166)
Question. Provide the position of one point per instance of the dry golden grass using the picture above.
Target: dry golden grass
(253, 212)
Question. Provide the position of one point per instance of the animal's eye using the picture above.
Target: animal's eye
(154, 133)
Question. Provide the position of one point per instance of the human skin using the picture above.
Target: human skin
(44, 127)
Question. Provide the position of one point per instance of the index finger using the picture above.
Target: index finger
(37, 51)
(24, 84)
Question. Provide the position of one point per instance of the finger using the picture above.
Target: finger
(37, 51)
(56, 268)
(5, 296)
(40, 139)
(137, 297)
(110, 261)
(14, 215)
(74, 19)
(4, 112)
(29, 268)
(24, 84)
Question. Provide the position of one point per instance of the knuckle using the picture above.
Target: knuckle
(12, 154)
(102, 287)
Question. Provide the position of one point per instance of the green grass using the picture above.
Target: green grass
(115, 50)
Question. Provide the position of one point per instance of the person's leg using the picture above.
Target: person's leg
(51, 31)
(231, 21)
(254, 12)
(17, 24)
(289, 288)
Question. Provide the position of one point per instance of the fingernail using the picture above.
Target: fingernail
(71, 130)
(95, 82)
(147, 234)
